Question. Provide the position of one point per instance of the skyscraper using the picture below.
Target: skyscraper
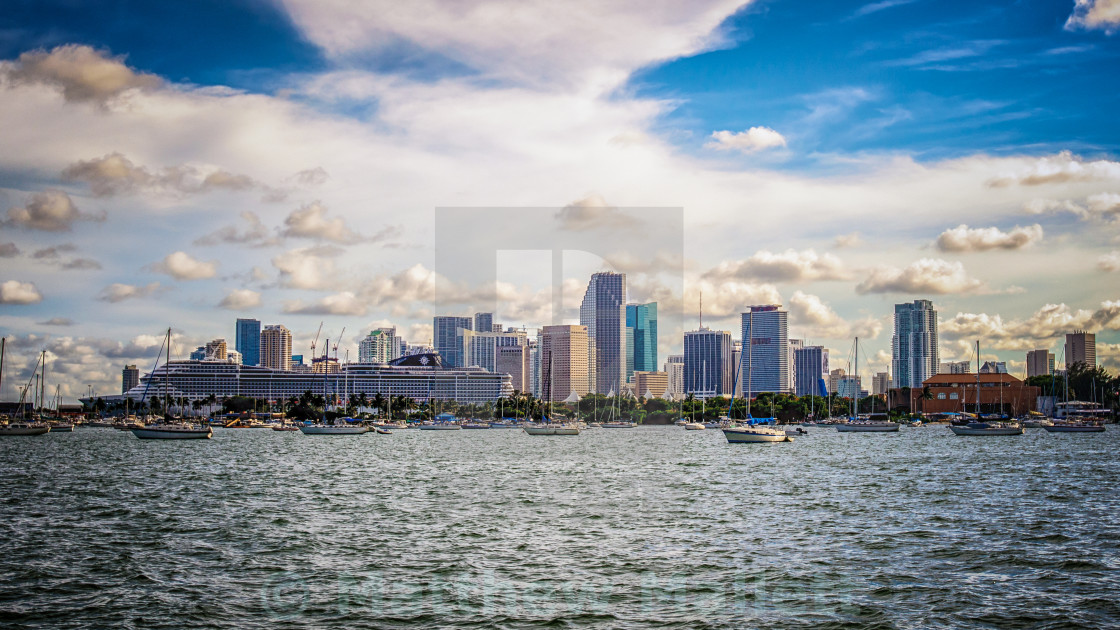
(514, 360)
(707, 363)
(563, 356)
(484, 322)
(379, 346)
(810, 366)
(247, 341)
(794, 346)
(914, 353)
(276, 347)
(1081, 347)
(641, 338)
(1040, 363)
(674, 369)
(766, 361)
(445, 329)
(481, 348)
(130, 377)
(603, 312)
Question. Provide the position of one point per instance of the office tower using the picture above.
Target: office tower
(514, 360)
(810, 366)
(445, 329)
(603, 313)
(650, 385)
(955, 367)
(674, 369)
(276, 347)
(794, 346)
(379, 346)
(535, 365)
(914, 351)
(216, 350)
(481, 348)
(247, 341)
(130, 377)
(641, 338)
(880, 383)
(564, 368)
(707, 363)
(766, 354)
(1081, 347)
(1040, 363)
(484, 322)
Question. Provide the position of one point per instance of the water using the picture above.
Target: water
(627, 528)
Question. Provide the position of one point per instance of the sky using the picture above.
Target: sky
(185, 164)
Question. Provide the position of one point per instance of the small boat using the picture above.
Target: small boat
(173, 431)
(62, 427)
(285, 427)
(756, 430)
(987, 428)
(552, 429)
(619, 425)
(476, 425)
(694, 426)
(1075, 427)
(24, 428)
(503, 425)
(796, 431)
(440, 426)
(382, 431)
(332, 429)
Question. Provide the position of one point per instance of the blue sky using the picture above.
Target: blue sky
(190, 163)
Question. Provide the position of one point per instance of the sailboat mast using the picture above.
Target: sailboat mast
(977, 379)
(749, 350)
(167, 377)
(3, 342)
(855, 395)
(43, 384)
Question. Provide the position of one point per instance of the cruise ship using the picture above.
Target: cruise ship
(421, 377)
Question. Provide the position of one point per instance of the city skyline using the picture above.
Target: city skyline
(836, 158)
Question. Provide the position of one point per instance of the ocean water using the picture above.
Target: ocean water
(614, 528)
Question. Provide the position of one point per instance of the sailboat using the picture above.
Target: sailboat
(18, 428)
(171, 428)
(980, 427)
(548, 427)
(754, 430)
(863, 426)
(322, 428)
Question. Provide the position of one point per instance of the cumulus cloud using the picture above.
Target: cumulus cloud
(118, 292)
(1065, 167)
(590, 213)
(749, 141)
(344, 303)
(1050, 322)
(727, 298)
(9, 250)
(115, 174)
(1095, 14)
(310, 221)
(788, 266)
(1109, 262)
(254, 233)
(83, 73)
(50, 211)
(80, 264)
(965, 239)
(183, 266)
(852, 239)
(816, 319)
(931, 276)
(312, 176)
(1096, 207)
(16, 292)
(308, 267)
(240, 299)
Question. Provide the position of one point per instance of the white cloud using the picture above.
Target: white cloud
(83, 73)
(1065, 167)
(1102, 206)
(255, 233)
(115, 174)
(852, 239)
(788, 266)
(118, 292)
(16, 292)
(310, 221)
(1095, 14)
(815, 319)
(965, 239)
(1048, 323)
(749, 141)
(183, 266)
(1109, 261)
(241, 299)
(308, 267)
(925, 276)
(344, 303)
(50, 211)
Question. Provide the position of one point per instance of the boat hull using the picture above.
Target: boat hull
(24, 430)
(552, 430)
(751, 435)
(986, 430)
(161, 433)
(62, 428)
(440, 427)
(332, 430)
(870, 427)
(1058, 428)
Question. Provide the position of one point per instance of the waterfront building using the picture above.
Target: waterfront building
(445, 329)
(484, 322)
(953, 393)
(564, 362)
(603, 313)
(880, 383)
(247, 340)
(379, 346)
(810, 366)
(674, 371)
(514, 360)
(481, 348)
(955, 367)
(914, 347)
(1040, 363)
(765, 350)
(130, 377)
(650, 384)
(707, 363)
(276, 347)
(1081, 347)
(794, 346)
(641, 338)
(994, 367)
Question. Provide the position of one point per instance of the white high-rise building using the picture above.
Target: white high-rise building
(794, 346)
(379, 346)
(603, 312)
(765, 350)
(914, 352)
(674, 369)
(276, 347)
(481, 348)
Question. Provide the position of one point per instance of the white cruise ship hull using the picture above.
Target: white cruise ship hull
(740, 435)
(173, 433)
(868, 427)
(331, 429)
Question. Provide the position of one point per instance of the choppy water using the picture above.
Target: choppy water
(634, 528)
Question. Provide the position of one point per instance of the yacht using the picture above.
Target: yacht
(694, 426)
(24, 428)
(333, 429)
(169, 428)
(987, 428)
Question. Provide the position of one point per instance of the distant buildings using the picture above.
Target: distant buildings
(765, 350)
(641, 338)
(674, 374)
(794, 346)
(484, 322)
(834, 377)
(603, 313)
(850, 387)
(707, 363)
(514, 360)
(810, 366)
(445, 329)
(130, 377)
(216, 350)
(1040, 363)
(650, 384)
(564, 362)
(914, 347)
(955, 367)
(1081, 347)
(880, 384)
(276, 347)
(481, 348)
(999, 393)
(994, 367)
(379, 346)
(247, 340)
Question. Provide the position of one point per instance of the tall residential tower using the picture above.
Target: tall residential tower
(914, 353)
(603, 312)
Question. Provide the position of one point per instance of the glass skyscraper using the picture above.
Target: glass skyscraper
(641, 338)
(810, 366)
(445, 329)
(247, 341)
(707, 363)
(914, 353)
(766, 362)
(603, 311)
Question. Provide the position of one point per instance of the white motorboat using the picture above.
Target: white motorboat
(476, 425)
(987, 428)
(173, 431)
(24, 428)
(694, 426)
(751, 433)
(333, 429)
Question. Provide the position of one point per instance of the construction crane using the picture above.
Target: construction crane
(316, 340)
(336, 341)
